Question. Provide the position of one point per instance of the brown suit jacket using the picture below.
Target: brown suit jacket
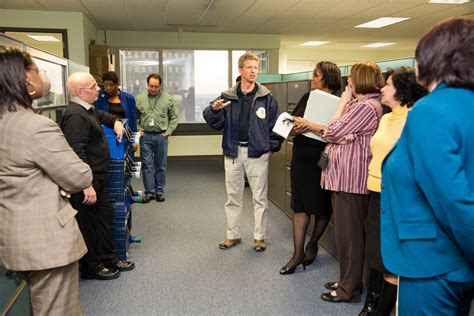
(38, 229)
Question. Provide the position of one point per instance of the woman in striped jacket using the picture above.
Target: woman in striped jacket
(348, 134)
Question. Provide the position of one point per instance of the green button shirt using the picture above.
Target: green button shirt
(157, 113)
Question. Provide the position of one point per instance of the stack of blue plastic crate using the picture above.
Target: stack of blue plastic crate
(118, 186)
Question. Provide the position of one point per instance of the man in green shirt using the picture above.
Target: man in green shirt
(158, 118)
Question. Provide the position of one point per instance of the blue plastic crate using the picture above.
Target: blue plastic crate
(117, 150)
(121, 211)
(121, 244)
(120, 195)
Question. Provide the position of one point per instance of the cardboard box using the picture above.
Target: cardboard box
(98, 65)
(98, 50)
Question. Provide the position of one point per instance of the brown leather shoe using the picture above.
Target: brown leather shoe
(104, 274)
(259, 245)
(229, 243)
(122, 265)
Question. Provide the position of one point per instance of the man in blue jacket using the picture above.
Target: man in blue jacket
(247, 112)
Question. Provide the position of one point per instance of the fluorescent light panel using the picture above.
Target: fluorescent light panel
(44, 38)
(314, 43)
(449, 1)
(381, 22)
(377, 45)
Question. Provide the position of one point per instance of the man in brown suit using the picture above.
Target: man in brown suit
(39, 235)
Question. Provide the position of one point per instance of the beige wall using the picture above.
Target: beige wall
(90, 33)
(205, 145)
(79, 29)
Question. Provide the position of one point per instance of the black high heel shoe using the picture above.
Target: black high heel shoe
(307, 262)
(290, 270)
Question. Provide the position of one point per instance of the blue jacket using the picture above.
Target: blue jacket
(261, 137)
(128, 104)
(427, 202)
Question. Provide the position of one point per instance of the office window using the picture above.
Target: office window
(194, 78)
(135, 66)
(261, 54)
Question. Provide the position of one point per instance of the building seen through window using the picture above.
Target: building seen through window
(192, 77)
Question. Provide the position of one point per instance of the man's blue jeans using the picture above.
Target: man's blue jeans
(153, 153)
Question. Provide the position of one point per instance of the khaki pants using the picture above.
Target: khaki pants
(54, 291)
(257, 174)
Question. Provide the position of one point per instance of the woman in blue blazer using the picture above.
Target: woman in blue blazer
(117, 102)
(427, 203)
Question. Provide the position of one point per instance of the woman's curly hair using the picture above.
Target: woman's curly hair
(408, 90)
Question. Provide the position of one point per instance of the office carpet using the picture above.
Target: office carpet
(180, 270)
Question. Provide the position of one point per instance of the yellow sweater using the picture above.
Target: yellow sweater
(388, 132)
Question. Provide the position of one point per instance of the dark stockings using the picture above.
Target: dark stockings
(320, 224)
(300, 227)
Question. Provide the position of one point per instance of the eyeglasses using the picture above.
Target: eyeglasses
(94, 87)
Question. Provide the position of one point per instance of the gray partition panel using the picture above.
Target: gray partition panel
(296, 89)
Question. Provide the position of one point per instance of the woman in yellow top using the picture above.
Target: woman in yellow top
(400, 92)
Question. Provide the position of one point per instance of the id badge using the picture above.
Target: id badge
(152, 122)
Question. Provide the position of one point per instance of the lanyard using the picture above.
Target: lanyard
(154, 105)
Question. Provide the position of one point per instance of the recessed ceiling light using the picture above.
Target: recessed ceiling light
(449, 1)
(314, 43)
(377, 45)
(44, 38)
(381, 22)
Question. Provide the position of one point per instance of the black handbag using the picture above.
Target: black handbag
(323, 160)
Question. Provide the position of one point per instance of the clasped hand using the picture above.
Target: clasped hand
(300, 125)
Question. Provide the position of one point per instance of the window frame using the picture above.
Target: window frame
(190, 129)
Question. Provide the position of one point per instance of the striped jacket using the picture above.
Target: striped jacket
(348, 149)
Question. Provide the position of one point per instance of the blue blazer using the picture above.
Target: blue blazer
(128, 104)
(427, 200)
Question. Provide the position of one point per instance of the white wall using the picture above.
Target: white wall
(297, 59)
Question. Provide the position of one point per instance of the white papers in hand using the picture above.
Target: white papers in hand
(283, 125)
(320, 108)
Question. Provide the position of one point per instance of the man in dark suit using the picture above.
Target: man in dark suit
(81, 124)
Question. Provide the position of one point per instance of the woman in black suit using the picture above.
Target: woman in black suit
(307, 197)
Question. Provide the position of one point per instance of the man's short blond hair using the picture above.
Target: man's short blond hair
(247, 56)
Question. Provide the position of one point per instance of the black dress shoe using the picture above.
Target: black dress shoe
(125, 265)
(160, 198)
(147, 198)
(336, 299)
(290, 269)
(331, 286)
(370, 304)
(104, 274)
